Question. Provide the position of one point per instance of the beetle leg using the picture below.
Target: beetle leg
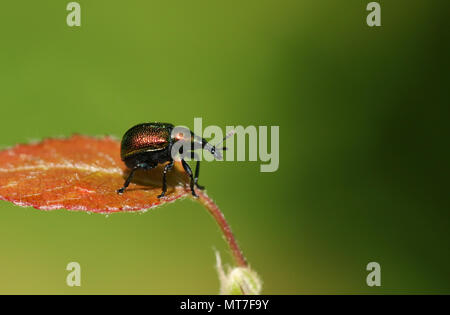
(197, 171)
(188, 170)
(130, 176)
(167, 168)
(127, 181)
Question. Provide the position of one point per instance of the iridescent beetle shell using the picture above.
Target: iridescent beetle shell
(146, 137)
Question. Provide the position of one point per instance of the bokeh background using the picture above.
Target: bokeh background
(363, 115)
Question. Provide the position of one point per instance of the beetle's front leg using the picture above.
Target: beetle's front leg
(197, 172)
(188, 170)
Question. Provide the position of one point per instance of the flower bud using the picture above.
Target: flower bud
(238, 280)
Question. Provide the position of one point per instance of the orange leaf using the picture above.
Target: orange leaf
(82, 173)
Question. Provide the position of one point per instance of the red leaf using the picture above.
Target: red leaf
(81, 173)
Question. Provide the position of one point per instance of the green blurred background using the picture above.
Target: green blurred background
(363, 115)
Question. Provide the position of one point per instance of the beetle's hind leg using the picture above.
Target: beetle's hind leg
(167, 168)
(127, 181)
(130, 176)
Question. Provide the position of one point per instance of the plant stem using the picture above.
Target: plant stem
(214, 210)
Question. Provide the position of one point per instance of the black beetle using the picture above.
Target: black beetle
(146, 145)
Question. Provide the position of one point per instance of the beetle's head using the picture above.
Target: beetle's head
(183, 134)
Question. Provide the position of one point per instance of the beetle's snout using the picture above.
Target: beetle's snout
(216, 152)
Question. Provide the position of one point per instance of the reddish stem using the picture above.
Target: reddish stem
(226, 230)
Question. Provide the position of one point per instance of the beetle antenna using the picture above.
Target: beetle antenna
(212, 148)
(215, 150)
(228, 135)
